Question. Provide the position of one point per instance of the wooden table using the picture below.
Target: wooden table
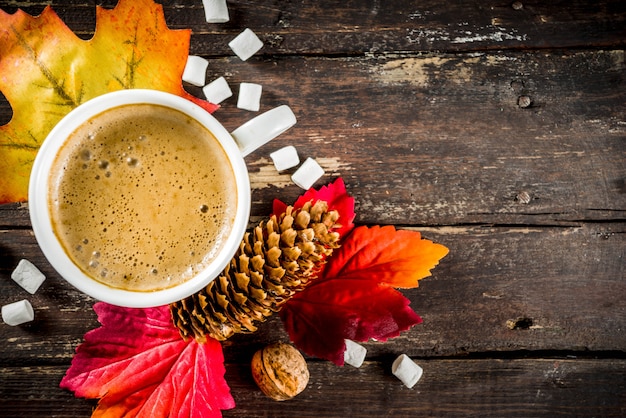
(496, 128)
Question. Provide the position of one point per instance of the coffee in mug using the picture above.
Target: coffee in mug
(142, 197)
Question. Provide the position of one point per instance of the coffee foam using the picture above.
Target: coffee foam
(142, 197)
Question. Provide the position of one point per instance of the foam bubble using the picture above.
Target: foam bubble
(85, 155)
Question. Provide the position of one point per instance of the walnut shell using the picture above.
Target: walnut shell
(280, 371)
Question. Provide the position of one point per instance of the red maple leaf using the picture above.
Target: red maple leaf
(355, 297)
(138, 365)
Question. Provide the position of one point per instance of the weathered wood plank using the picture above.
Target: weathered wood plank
(486, 388)
(513, 290)
(445, 139)
(563, 286)
(371, 26)
(442, 139)
(403, 25)
(14, 215)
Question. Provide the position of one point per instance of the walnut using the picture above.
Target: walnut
(280, 371)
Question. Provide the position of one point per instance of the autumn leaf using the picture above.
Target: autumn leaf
(46, 71)
(138, 365)
(320, 318)
(398, 258)
(356, 297)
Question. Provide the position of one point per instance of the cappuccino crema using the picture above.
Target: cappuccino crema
(142, 197)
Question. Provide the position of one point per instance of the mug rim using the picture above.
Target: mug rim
(39, 203)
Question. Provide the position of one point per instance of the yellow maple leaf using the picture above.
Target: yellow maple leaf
(46, 71)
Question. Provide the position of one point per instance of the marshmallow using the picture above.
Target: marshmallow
(249, 97)
(246, 44)
(217, 91)
(17, 313)
(354, 354)
(215, 11)
(406, 370)
(308, 173)
(285, 158)
(28, 276)
(263, 128)
(195, 70)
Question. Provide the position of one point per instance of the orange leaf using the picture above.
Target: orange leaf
(46, 71)
(398, 258)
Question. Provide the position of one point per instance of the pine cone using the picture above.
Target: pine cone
(277, 259)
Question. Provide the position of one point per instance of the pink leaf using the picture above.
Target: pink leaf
(139, 365)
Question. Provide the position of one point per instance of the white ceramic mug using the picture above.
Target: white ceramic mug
(39, 201)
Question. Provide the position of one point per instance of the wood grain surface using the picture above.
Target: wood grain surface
(495, 128)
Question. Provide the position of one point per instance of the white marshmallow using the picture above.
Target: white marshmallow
(217, 90)
(308, 173)
(17, 313)
(195, 70)
(249, 97)
(354, 354)
(285, 158)
(246, 44)
(28, 276)
(406, 370)
(215, 11)
(263, 128)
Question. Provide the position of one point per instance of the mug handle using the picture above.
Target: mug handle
(262, 129)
